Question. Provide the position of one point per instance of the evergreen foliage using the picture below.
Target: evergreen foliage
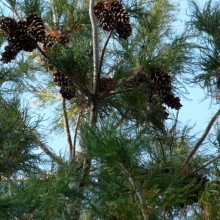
(113, 72)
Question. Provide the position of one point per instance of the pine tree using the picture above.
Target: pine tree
(112, 71)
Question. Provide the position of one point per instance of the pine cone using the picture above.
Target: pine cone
(106, 20)
(161, 89)
(8, 25)
(9, 54)
(60, 78)
(98, 8)
(24, 37)
(63, 39)
(48, 41)
(119, 13)
(124, 30)
(36, 27)
(113, 15)
(67, 93)
(172, 101)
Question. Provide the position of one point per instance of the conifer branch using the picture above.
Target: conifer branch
(138, 192)
(75, 134)
(162, 149)
(66, 126)
(84, 91)
(47, 57)
(203, 137)
(44, 54)
(45, 149)
(93, 116)
(95, 46)
(95, 61)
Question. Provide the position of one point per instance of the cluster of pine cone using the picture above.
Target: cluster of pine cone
(159, 84)
(113, 15)
(25, 34)
(65, 83)
(22, 35)
(161, 89)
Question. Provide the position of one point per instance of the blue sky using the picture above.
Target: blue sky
(197, 111)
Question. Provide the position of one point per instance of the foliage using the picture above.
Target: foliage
(128, 156)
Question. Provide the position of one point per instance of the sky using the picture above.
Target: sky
(197, 111)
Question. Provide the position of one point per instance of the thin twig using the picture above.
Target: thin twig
(138, 192)
(92, 116)
(75, 134)
(47, 57)
(102, 55)
(66, 126)
(203, 137)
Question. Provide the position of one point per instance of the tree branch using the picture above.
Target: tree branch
(137, 192)
(95, 46)
(47, 57)
(50, 154)
(93, 115)
(75, 134)
(45, 149)
(66, 126)
(203, 137)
